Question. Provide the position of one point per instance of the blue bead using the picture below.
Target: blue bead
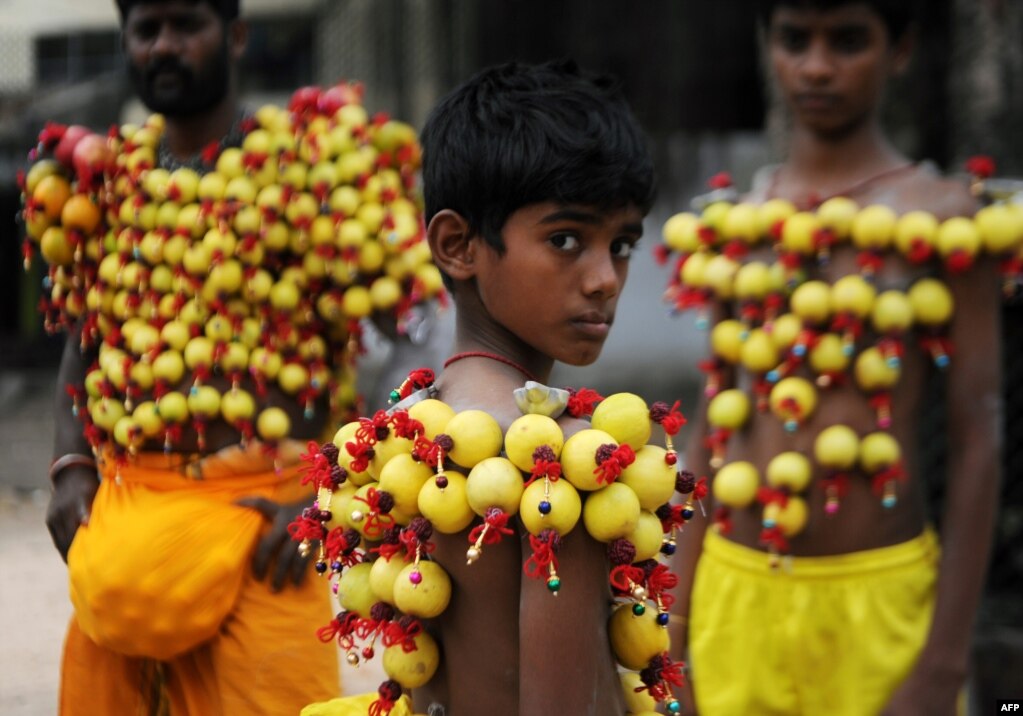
(674, 707)
(799, 350)
(668, 548)
(772, 376)
(662, 619)
(888, 502)
(321, 567)
(687, 513)
(544, 507)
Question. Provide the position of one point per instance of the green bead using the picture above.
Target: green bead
(639, 609)
(674, 707)
(395, 396)
(554, 584)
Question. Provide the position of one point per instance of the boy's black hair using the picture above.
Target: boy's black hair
(517, 134)
(898, 15)
(227, 9)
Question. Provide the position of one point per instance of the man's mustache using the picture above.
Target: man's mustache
(167, 65)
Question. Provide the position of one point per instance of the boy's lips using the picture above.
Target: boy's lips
(593, 323)
(816, 101)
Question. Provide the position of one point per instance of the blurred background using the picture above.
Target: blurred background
(692, 73)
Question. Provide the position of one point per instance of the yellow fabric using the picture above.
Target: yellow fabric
(355, 706)
(166, 552)
(821, 635)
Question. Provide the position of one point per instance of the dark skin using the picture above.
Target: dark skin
(192, 35)
(551, 296)
(844, 57)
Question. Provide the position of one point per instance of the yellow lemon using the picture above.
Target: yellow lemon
(412, 669)
(726, 340)
(559, 510)
(529, 432)
(494, 482)
(790, 519)
(338, 509)
(932, 302)
(353, 590)
(728, 409)
(624, 416)
(476, 436)
(736, 484)
(385, 450)
(837, 214)
(446, 505)
(647, 536)
(345, 435)
(636, 639)
(892, 312)
(879, 450)
(579, 457)
(422, 590)
(650, 477)
(383, 575)
(837, 447)
(611, 512)
(758, 353)
(789, 469)
(793, 399)
(811, 301)
(402, 477)
(873, 227)
(873, 371)
(681, 232)
(433, 414)
(852, 294)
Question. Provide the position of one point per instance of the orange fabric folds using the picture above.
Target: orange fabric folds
(161, 562)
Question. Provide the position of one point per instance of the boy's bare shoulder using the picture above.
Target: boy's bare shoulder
(927, 190)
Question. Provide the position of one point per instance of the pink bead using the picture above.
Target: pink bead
(415, 577)
(831, 508)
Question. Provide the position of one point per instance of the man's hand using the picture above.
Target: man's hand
(74, 489)
(276, 546)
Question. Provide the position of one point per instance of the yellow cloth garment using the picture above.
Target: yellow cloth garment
(167, 611)
(820, 635)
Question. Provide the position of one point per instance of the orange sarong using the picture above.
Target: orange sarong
(167, 612)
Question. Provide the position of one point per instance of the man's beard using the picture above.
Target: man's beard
(191, 92)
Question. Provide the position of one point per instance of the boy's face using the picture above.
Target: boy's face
(179, 56)
(557, 284)
(831, 65)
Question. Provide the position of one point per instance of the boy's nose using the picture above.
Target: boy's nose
(601, 278)
(817, 65)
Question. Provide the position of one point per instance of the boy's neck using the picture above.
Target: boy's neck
(828, 165)
(521, 361)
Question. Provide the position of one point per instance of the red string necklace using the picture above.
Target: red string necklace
(492, 356)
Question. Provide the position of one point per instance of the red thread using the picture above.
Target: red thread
(492, 356)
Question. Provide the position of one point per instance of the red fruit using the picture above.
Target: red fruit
(304, 99)
(90, 157)
(333, 99)
(66, 146)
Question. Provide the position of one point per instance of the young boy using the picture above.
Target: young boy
(536, 182)
(863, 615)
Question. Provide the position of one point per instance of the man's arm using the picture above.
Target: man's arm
(75, 485)
(971, 505)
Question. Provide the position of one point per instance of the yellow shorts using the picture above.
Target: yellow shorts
(820, 635)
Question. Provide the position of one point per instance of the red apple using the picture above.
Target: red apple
(90, 157)
(66, 146)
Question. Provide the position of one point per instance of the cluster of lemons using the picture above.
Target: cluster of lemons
(399, 476)
(257, 267)
(795, 334)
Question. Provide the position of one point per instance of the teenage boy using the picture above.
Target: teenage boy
(536, 180)
(866, 615)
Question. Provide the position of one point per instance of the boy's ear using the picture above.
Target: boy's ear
(902, 51)
(450, 239)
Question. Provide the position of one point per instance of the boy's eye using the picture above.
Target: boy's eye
(565, 242)
(850, 40)
(792, 39)
(622, 248)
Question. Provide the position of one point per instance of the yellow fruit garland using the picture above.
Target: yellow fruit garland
(397, 476)
(796, 335)
(256, 267)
